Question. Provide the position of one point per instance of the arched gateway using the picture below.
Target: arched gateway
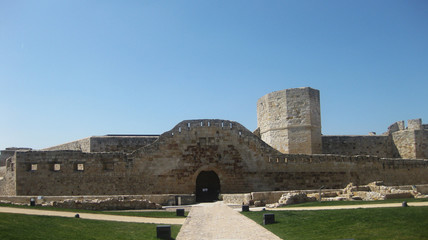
(207, 186)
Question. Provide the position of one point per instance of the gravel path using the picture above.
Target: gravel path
(379, 205)
(218, 221)
(92, 216)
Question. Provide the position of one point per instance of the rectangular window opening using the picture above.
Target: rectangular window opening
(57, 167)
(80, 167)
(33, 167)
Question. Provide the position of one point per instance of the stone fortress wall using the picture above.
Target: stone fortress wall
(172, 162)
(171, 165)
(381, 146)
(290, 121)
(9, 152)
(397, 142)
(108, 143)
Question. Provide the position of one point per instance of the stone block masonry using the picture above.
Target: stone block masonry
(108, 143)
(376, 145)
(290, 120)
(397, 142)
(208, 157)
(172, 164)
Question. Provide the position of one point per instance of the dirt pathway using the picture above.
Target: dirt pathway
(93, 216)
(218, 221)
(381, 205)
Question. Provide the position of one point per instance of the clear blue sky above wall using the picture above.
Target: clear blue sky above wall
(73, 69)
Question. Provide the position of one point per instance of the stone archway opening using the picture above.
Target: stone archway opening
(207, 186)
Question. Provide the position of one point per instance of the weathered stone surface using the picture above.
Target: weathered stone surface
(237, 198)
(259, 204)
(381, 146)
(105, 204)
(294, 198)
(414, 124)
(372, 191)
(267, 197)
(109, 143)
(290, 120)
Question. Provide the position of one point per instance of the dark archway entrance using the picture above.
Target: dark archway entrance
(207, 186)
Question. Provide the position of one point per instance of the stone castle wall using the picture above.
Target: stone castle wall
(83, 145)
(8, 178)
(109, 143)
(171, 165)
(69, 173)
(123, 143)
(411, 143)
(424, 144)
(9, 152)
(284, 155)
(380, 146)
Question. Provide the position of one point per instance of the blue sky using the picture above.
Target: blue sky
(73, 69)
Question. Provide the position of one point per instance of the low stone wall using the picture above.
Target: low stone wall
(422, 188)
(241, 198)
(106, 204)
(162, 199)
(266, 197)
(274, 196)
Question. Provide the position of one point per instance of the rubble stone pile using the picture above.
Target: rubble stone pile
(370, 192)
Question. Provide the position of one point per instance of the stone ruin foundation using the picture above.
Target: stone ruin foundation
(370, 192)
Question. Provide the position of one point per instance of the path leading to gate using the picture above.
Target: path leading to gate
(218, 221)
(92, 216)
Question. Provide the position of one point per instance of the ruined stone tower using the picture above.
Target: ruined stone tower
(290, 120)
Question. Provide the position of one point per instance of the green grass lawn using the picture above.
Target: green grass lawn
(154, 213)
(18, 226)
(376, 223)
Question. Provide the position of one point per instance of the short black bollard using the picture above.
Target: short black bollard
(77, 215)
(179, 212)
(404, 204)
(268, 218)
(245, 208)
(163, 231)
(32, 202)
